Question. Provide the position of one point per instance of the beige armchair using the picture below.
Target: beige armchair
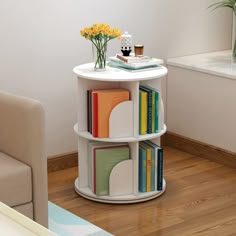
(23, 162)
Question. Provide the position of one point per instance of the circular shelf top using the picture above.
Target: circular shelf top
(87, 71)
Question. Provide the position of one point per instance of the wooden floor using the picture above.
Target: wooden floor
(200, 199)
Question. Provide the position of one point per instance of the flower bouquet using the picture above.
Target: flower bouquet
(100, 35)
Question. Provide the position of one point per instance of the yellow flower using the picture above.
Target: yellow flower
(100, 32)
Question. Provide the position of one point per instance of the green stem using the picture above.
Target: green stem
(101, 48)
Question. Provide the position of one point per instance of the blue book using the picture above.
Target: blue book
(160, 169)
(142, 175)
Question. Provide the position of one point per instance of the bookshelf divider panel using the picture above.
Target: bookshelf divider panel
(134, 155)
(121, 179)
(121, 120)
(123, 128)
(161, 114)
(133, 87)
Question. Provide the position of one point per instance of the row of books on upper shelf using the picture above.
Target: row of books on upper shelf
(100, 103)
(148, 110)
(132, 63)
(104, 157)
(150, 167)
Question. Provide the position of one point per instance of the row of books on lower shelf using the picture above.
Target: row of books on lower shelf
(104, 157)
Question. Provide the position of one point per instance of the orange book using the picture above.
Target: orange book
(107, 100)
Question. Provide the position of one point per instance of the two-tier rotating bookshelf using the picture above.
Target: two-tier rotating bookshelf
(124, 174)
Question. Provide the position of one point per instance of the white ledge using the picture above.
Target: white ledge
(216, 63)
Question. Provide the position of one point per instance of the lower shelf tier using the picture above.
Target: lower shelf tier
(124, 199)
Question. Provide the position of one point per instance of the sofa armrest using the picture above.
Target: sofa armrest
(22, 136)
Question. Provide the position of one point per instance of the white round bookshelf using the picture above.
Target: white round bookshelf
(123, 129)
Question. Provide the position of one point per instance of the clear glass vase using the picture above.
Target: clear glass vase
(234, 38)
(99, 56)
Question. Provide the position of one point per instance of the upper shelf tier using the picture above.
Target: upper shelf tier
(87, 71)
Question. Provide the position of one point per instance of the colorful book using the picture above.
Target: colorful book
(153, 169)
(149, 108)
(106, 101)
(142, 112)
(142, 174)
(148, 165)
(152, 62)
(104, 160)
(158, 165)
(155, 108)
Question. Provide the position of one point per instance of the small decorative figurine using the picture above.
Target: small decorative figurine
(126, 44)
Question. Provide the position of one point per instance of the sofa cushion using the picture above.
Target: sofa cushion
(15, 181)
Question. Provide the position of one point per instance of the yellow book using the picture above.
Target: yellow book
(143, 112)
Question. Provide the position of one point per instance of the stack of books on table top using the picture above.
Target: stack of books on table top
(133, 63)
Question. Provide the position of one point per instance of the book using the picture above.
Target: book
(104, 160)
(92, 107)
(159, 164)
(94, 114)
(94, 145)
(153, 62)
(142, 112)
(89, 111)
(155, 108)
(150, 149)
(142, 173)
(149, 107)
(106, 101)
(148, 165)
(133, 70)
(130, 59)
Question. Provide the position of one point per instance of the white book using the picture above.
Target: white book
(114, 61)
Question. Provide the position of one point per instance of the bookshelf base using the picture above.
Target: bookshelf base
(124, 199)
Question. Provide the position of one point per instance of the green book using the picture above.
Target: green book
(155, 109)
(104, 161)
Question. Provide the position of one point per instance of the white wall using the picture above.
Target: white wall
(40, 43)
